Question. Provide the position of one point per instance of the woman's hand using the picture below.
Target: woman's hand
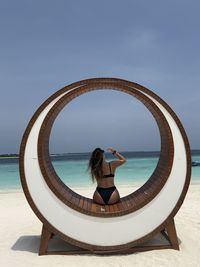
(110, 149)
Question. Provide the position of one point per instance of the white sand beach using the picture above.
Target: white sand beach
(20, 236)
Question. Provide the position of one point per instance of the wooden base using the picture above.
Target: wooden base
(169, 233)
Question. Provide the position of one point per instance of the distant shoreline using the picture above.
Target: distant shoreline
(7, 156)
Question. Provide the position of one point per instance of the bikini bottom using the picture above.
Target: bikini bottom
(105, 192)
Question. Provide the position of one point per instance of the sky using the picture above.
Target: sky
(45, 45)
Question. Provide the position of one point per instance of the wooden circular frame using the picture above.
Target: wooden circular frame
(101, 83)
(129, 203)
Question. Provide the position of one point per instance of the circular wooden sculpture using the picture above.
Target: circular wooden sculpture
(121, 227)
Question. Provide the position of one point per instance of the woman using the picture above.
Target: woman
(103, 172)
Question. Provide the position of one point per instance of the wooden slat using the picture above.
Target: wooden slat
(119, 206)
(85, 204)
(111, 209)
(94, 207)
(124, 203)
(115, 207)
(107, 208)
(81, 202)
(128, 202)
(101, 209)
(132, 200)
(89, 205)
(77, 199)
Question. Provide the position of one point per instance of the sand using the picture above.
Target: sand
(20, 235)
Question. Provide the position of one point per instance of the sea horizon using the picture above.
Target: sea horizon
(72, 169)
(16, 155)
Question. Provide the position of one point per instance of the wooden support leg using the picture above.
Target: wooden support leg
(45, 236)
(171, 231)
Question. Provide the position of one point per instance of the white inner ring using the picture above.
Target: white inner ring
(98, 230)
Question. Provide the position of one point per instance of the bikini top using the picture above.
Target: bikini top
(110, 174)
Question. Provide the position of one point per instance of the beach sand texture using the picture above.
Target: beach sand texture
(20, 236)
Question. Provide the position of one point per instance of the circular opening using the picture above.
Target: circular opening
(101, 119)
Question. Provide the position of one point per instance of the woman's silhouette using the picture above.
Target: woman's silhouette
(103, 172)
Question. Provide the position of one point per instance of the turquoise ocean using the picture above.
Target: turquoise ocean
(72, 170)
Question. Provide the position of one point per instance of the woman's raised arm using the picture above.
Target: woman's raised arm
(121, 160)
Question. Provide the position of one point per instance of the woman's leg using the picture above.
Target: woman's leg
(114, 198)
(97, 198)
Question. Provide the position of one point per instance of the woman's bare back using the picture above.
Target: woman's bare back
(108, 182)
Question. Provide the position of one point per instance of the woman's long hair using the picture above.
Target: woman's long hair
(95, 164)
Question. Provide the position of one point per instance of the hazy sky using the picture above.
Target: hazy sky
(46, 45)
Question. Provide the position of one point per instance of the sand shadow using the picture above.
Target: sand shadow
(32, 243)
(27, 243)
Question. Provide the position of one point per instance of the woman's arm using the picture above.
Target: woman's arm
(121, 160)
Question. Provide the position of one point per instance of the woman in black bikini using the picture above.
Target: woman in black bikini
(106, 192)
